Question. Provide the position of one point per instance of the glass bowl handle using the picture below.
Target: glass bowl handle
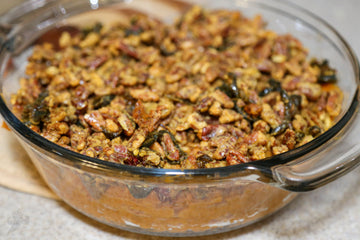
(334, 159)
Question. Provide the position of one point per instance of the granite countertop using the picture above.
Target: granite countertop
(331, 212)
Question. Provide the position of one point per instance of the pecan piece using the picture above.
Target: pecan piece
(144, 94)
(224, 99)
(171, 151)
(127, 124)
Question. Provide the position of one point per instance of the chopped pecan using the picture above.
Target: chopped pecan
(204, 104)
(171, 151)
(144, 94)
(228, 116)
(127, 124)
(95, 120)
(146, 119)
(216, 109)
(311, 90)
(223, 99)
(137, 139)
(191, 92)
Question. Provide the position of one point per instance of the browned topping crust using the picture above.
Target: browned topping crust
(213, 89)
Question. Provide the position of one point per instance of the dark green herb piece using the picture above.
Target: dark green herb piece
(327, 74)
(243, 113)
(176, 99)
(133, 30)
(279, 129)
(202, 160)
(36, 112)
(156, 135)
(226, 44)
(111, 135)
(103, 101)
(292, 104)
(226, 89)
(296, 100)
(265, 92)
(235, 90)
(284, 96)
(275, 86)
(314, 130)
(151, 138)
(231, 90)
(165, 52)
(299, 136)
(96, 28)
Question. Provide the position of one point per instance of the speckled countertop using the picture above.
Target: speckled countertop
(331, 212)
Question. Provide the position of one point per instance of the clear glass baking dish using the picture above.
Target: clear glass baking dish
(182, 202)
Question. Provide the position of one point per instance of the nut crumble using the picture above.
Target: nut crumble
(212, 89)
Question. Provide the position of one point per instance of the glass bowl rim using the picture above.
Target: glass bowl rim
(264, 165)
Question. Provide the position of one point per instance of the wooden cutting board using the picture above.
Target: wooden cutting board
(17, 172)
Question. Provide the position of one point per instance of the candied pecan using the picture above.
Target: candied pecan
(258, 152)
(223, 144)
(144, 95)
(288, 139)
(63, 141)
(165, 107)
(137, 139)
(112, 127)
(299, 123)
(334, 100)
(212, 73)
(51, 135)
(148, 156)
(235, 157)
(127, 124)
(269, 116)
(228, 116)
(279, 149)
(95, 120)
(90, 40)
(191, 92)
(256, 138)
(158, 149)
(144, 119)
(223, 99)
(171, 151)
(253, 109)
(78, 137)
(97, 62)
(196, 121)
(119, 153)
(175, 74)
(311, 90)
(216, 109)
(128, 50)
(262, 126)
(204, 104)
(80, 98)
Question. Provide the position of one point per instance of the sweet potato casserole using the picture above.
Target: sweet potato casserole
(210, 90)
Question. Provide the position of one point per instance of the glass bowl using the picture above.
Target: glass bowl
(182, 202)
